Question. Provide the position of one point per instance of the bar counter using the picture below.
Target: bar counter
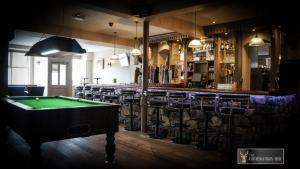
(273, 100)
(238, 92)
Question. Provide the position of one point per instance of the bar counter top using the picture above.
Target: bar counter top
(277, 92)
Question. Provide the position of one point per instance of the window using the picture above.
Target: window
(18, 68)
(62, 74)
(58, 74)
(54, 74)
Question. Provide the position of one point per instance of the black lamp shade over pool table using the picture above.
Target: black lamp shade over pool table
(56, 46)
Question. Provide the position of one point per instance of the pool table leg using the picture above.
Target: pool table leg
(110, 147)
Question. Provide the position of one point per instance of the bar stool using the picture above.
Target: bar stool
(128, 97)
(88, 93)
(95, 91)
(157, 100)
(177, 102)
(231, 106)
(207, 104)
(79, 92)
(108, 94)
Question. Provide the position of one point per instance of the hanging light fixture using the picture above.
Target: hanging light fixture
(114, 56)
(195, 43)
(56, 46)
(256, 41)
(135, 51)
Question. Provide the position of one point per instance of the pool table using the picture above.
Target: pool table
(45, 119)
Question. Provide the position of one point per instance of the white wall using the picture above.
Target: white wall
(89, 67)
(122, 74)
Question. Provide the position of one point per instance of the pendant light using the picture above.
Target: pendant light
(256, 41)
(56, 46)
(114, 56)
(135, 51)
(195, 43)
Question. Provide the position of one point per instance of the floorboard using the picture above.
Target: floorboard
(133, 151)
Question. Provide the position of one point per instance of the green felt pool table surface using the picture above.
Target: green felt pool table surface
(54, 102)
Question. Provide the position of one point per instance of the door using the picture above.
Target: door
(60, 79)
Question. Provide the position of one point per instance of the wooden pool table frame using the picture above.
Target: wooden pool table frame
(37, 126)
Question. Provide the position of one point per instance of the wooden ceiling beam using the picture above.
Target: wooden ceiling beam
(177, 25)
(107, 40)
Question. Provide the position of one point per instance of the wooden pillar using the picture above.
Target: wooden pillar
(276, 52)
(238, 59)
(217, 60)
(185, 59)
(5, 37)
(145, 75)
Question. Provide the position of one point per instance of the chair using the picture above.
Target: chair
(79, 92)
(108, 94)
(231, 106)
(157, 100)
(88, 93)
(178, 103)
(128, 97)
(207, 104)
(35, 90)
(16, 90)
(95, 91)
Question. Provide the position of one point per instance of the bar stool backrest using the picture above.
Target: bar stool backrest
(95, 89)
(86, 88)
(107, 91)
(176, 97)
(234, 101)
(206, 101)
(128, 92)
(156, 95)
(127, 95)
(79, 88)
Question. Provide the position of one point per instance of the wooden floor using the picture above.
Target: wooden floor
(133, 151)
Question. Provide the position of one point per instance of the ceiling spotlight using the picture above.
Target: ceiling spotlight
(226, 33)
(213, 22)
(78, 16)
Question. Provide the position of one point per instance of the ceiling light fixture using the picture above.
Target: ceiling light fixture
(114, 56)
(195, 43)
(135, 51)
(56, 46)
(256, 41)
